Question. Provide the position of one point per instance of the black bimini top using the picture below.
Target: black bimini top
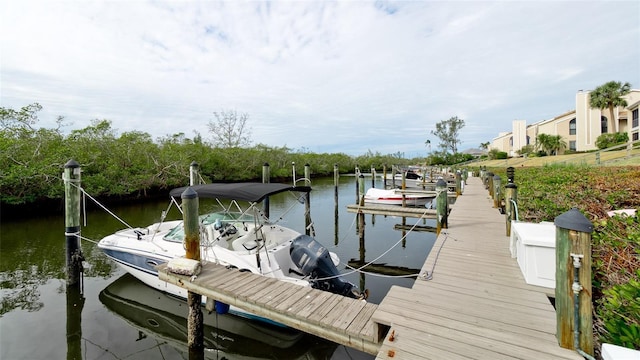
(253, 192)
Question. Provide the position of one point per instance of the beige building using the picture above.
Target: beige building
(579, 128)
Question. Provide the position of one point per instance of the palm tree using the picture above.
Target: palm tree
(550, 144)
(608, 96)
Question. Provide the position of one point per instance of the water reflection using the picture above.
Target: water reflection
(163, 317)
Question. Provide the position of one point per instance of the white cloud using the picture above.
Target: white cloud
(326, 76)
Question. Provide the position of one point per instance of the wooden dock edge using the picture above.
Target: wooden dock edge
(369, 343)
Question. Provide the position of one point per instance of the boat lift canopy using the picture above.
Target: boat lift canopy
(250, 191)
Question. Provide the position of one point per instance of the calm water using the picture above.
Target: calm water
(119, 318)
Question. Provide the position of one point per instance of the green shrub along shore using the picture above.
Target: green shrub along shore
(548, 191)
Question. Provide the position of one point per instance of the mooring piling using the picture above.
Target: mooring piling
(442, 205)
(266, 178)
(74, 256)
(195, 327)
(194, 176)
(497, 190)
(307, 202)
(510, 199)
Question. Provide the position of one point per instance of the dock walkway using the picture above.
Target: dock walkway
(475, 304)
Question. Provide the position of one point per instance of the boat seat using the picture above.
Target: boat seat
(247, 242)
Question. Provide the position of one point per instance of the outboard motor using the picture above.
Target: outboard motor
(314, 261)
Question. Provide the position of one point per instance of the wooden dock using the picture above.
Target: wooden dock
(393, 210)
(476, 305)
(334, 317)
(470, 302)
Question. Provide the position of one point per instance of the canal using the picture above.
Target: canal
(120, 318)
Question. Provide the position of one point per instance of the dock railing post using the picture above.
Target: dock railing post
(74, 256)
(573, 281)
(497, 191)
(442, 205)
(307, 200)
(195, 328)
(510, 199)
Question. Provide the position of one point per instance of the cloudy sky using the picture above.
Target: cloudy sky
(346, 76)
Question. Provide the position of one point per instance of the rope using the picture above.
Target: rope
(102, 206)
(429, 274)
(380, 256)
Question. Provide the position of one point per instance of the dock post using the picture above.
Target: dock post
(458, 183)
(361, 190)
(384, 176)
(510, 199)
(74, 294)
(442, 205)
(195, 328)
(293, 165)
(336, 181)
(497, 189)
(194, 178)
(573, 281)
(373, 177)
(307, 201)
(74, 256)
(266, 178)
(357, 185)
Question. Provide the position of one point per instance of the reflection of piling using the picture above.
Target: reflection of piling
(74, 257)
(442, 206)
(190, 204)
(75, 304)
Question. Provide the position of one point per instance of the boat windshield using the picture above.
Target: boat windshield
(177, 233)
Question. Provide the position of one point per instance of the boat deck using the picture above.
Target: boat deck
(475, 304)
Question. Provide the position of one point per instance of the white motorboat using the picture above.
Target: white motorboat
(245, 239)
(395, 197)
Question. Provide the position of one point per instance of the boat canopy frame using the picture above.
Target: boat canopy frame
(249, 191)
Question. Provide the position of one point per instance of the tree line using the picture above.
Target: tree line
(132, 164)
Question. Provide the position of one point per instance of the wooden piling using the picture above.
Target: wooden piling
(510, 199)
(497, 191)
(194, 178)
(336, 183)
(384, 176)
(458, 183)
(373, 177)
(442, 206)
(266, 178)
(573, 244)
(307, 202)
(74, 256)
(195, 327)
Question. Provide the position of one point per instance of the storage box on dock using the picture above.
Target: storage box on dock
(534, 246)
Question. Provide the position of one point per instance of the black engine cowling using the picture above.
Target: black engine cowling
(314, 261)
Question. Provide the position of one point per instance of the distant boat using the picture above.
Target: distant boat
(395, 197)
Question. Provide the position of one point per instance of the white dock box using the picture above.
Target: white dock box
(534, 246)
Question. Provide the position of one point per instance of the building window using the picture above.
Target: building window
(604, 124)
(634, 116)
(572, 127)
(511, 141)
(528, 139)
(572, 145)
(634, 136)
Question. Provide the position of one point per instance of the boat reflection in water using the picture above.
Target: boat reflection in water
(164, 317)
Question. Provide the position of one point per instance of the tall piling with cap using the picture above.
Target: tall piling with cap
(307, 200)
(510, 199)
(573, 281)
(266, 178)
(74, 295)
(190, 208)
(72, 192)
(442, 206)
